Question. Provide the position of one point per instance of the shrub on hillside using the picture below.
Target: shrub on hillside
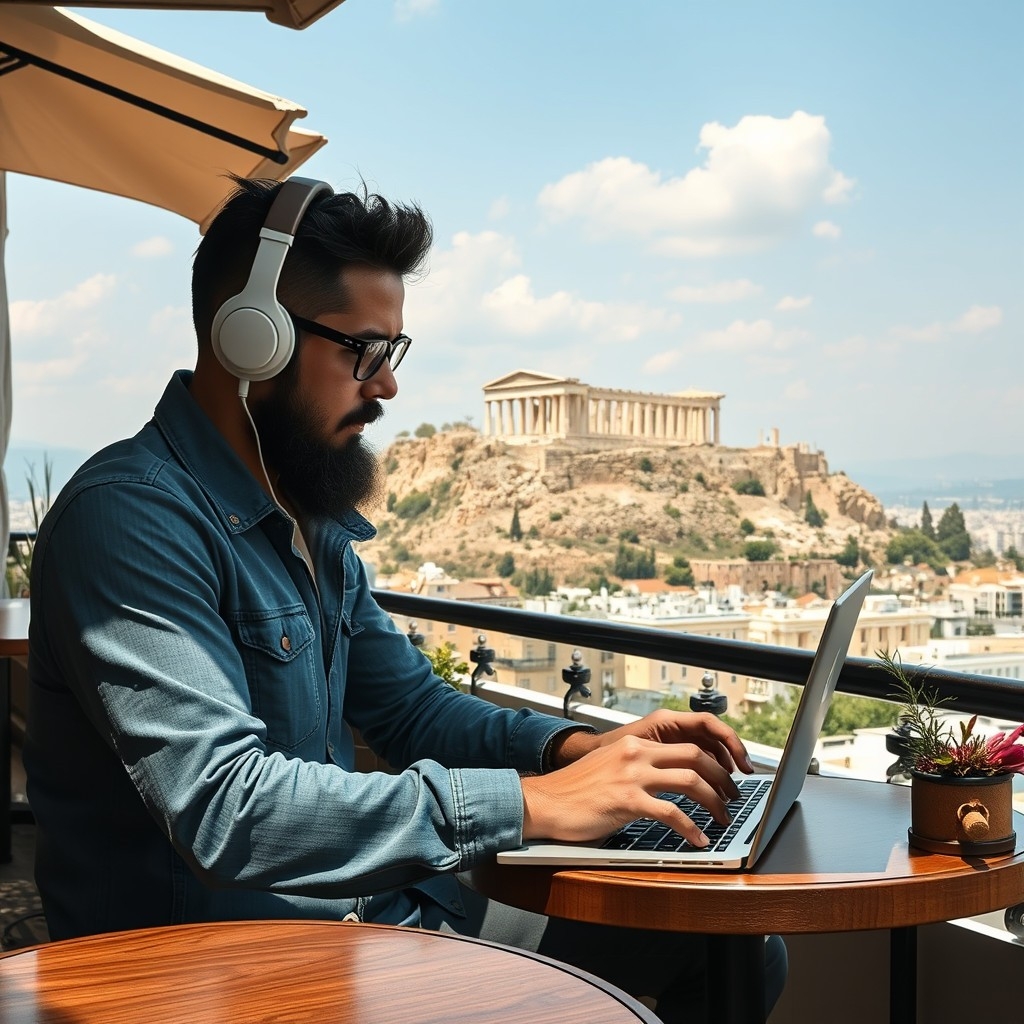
(751, 485)
(414, 504)
(759, 550)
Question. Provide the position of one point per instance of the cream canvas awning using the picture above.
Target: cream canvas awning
(89, 106)
(290, 13)
(86, 105)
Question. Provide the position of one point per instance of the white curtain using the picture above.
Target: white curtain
(5, 386)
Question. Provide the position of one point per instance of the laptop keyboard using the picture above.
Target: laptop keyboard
(648, 834)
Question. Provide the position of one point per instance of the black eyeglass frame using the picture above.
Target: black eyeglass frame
(393, 351)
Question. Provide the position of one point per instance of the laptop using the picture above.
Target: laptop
(764, 800)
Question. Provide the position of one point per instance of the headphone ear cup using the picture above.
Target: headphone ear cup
(252, 334)
(252, 342)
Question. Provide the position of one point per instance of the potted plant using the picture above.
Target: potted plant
(961, 799)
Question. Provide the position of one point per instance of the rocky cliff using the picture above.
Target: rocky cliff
(451, 499)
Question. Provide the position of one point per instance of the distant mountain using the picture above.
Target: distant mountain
(24, 459)
(972, 480)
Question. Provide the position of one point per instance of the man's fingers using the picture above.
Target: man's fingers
(706, 768)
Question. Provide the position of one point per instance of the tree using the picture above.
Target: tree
(759, 550)
(768, 723)
(848, 712)
(506, 565)
(927, 528)
(515, 531)
(446, 663)
(746, 527)
(850, 555)
(952, 534)
(535, 582)
(957, 547)
(425, 430)
(951, 522)
(679, 574)
(633, 564)
(813, 516)
(1014, 556)
(915, 547)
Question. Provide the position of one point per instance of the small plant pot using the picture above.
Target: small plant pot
(966, 817)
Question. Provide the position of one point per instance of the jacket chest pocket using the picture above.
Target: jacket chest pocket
(278, 653)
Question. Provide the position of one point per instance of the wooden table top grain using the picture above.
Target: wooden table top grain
(296, 972)
(840, 862)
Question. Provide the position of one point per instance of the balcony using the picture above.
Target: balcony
(967, 968)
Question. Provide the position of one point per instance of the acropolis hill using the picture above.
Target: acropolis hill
(582, 480)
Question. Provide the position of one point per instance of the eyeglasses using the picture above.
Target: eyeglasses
(370, 355)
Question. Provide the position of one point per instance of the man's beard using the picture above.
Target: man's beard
(318, 477)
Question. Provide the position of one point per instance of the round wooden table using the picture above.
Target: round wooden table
(299, 971)
(840, 862)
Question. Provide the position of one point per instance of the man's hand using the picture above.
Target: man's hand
(709, 732)
(607, 780)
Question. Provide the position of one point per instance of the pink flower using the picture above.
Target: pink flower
(1007, 752)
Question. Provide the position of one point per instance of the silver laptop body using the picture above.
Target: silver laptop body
(777, 793)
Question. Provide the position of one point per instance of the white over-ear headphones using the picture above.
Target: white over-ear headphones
(252, 334)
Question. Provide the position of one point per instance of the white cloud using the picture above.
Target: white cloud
(848, 349)
(797, 391)
(838, 189)
(978, 319)
(749, 337)
(173, 322)
(758, 180)
(513, 307)
(826, 229)
(662, 362)
(406, 10)
(36, 316)
(788, 303)
(475, 287)
(929, 332)
(718, 291)
(39, 374)
(150, 248)
(500, 209)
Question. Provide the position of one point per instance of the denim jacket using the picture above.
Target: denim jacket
(192, 689)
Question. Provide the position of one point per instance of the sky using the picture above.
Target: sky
(813, 208)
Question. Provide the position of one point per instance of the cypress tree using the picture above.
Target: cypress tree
(515, 531)
(927, 528)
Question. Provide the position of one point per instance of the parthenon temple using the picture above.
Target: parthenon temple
(524, 407)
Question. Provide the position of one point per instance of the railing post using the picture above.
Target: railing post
(898, 742)
(1013, 919)
(707, 698)
(576, 677)
(415, 638)
(481, 656)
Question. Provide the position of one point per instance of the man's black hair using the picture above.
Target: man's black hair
(337, 231)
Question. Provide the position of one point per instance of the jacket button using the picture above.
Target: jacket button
(234, 520)
(286, 644)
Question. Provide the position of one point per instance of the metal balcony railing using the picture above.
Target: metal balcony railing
(994, 696)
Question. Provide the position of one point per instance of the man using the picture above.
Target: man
(203, 639)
